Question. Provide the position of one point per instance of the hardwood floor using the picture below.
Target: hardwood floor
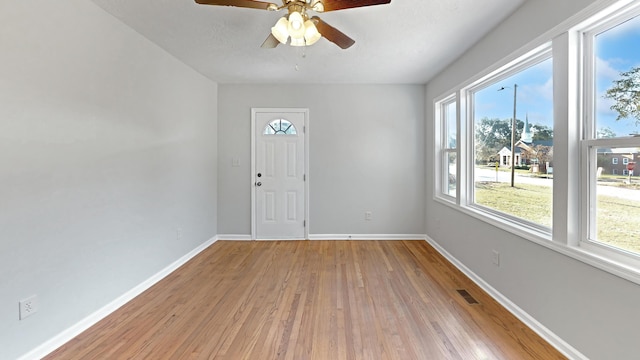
(311, 300)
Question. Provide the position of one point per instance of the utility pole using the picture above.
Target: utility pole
(513, 133)
(513, 137)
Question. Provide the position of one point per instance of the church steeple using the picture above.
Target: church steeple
(527, 136)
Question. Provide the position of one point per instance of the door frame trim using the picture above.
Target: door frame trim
(255, 111)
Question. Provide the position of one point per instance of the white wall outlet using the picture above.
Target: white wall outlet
(179, 234)
(28, 307)
(368, 215)
(495, 258)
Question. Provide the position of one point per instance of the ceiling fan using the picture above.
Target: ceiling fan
(297, 28)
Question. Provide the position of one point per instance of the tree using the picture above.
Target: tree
(543, 154)
(542, 133)
(491, 136)
(626, 94)
(604, 133)
(494, 134)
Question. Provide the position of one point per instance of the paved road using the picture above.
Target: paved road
(505, 176)
(629, 194)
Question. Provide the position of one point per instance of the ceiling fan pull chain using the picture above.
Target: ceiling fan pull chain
(302, 54)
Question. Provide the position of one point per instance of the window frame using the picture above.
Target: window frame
(464, 201)
(279, 131)
(517, 225)
(589, 142)
(443, 150)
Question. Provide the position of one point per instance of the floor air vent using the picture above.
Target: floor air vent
(470, 299)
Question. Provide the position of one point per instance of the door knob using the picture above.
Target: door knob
(258, 183)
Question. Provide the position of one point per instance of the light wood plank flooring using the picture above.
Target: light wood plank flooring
(311, 300)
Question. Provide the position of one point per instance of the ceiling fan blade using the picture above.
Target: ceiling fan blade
(332, 5)
(270, 42)
(332, 34)
(241, 3)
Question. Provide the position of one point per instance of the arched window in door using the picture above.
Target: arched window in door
(280, 127)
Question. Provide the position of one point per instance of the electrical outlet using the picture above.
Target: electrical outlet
(368, 215)
(178, 234)
(28, 307)
(495, 258)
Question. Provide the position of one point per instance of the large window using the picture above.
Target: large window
(612, 123)
(504, 172)
(513, 158)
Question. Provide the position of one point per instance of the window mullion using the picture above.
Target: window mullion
(465, 148)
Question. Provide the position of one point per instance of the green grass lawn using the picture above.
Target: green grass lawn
(529, 202)
(618, 220)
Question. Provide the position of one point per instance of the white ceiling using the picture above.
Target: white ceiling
(404, 42)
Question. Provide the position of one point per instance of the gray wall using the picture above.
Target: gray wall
(366, 153)
(107, 146)
(592, 310)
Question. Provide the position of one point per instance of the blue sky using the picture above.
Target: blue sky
(617, 50)
(534, 96)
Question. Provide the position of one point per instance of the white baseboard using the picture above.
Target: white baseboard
(553, 339)
(367, 237)
(75, 330)
(235, 237)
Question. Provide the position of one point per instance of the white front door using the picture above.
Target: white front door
(279, 191)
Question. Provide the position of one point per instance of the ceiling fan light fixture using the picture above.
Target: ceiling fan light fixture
(318, 6)
(298, 42)
(296, 25)
(281, 30)
(311, 34)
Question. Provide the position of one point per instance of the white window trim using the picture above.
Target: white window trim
(512, 223)
(612, 259)
(525, 58)
(442, 148)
